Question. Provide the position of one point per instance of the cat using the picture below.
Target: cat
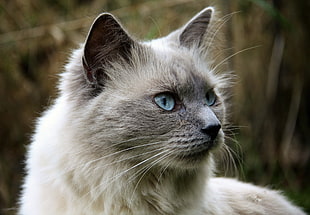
(135, 128)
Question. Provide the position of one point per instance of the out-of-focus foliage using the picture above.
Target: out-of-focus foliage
(271, 104)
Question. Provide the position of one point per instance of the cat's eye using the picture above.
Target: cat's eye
(165, 101)
(210, 98)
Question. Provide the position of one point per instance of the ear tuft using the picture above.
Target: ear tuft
(196, 28)
(106, 42)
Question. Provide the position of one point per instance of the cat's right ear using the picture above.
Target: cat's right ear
(194, 32)
(107, 42)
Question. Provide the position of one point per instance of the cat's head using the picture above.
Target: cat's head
(158, 102)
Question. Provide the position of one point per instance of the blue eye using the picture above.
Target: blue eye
(210, 98)
(165, 101)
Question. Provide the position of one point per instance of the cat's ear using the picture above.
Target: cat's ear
(194, 31)
(106, 43)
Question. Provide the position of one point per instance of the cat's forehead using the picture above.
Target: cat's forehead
(169, 70)
(181, 68)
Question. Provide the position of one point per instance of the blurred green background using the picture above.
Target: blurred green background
(270, 103)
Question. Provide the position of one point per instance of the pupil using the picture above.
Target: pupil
(164, 101)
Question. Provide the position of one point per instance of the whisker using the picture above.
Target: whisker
(88, 164)
(128, 141)
(170, 161)
(145, 170)
(232, 55)
(111, 146)
(152, 165)
(230, 156)
(123, 150)
(115, 177)
(223, 20)
(128, 158)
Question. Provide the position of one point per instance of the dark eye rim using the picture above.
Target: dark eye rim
(177, 105)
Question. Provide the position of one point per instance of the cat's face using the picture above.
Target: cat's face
(154, 102)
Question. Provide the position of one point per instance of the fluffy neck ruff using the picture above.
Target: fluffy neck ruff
(122, 189)
(150, 192)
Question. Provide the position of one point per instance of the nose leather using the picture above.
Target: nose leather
(211, 130)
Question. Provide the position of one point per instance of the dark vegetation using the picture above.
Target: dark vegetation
(271, 103)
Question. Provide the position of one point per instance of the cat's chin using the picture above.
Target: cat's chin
(196, 155)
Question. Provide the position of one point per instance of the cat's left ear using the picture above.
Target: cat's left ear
(193, 33)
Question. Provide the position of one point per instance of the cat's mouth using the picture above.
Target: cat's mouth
(197, 151)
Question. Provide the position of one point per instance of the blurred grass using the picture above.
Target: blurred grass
(271, 103)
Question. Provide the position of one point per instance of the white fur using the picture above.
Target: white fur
(64, 176)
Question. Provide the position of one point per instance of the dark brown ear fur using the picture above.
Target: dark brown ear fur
(107, 42)
(196, 28)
